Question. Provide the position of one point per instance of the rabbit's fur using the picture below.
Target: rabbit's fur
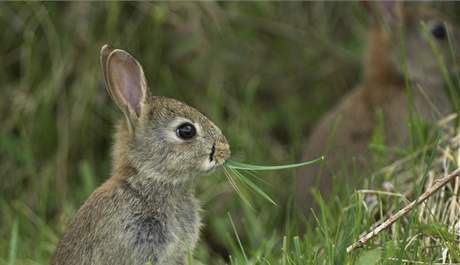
(344, 133)
(146, 212)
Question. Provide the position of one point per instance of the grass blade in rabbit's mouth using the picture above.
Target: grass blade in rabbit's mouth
(250, 167)
(237, 172)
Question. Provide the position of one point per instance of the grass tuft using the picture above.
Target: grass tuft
(249, 167)
(237, 172)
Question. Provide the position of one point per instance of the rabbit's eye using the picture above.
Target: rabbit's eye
(186, 131)
(439, 31)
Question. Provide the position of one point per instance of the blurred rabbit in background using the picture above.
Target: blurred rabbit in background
(401, 59)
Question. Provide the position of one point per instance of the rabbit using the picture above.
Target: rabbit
(344, 133)
(146, 212)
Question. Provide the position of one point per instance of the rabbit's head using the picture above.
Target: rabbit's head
(419, 37)
(162, 138)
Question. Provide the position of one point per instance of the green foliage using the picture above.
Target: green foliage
(369, 257)
(13, 244)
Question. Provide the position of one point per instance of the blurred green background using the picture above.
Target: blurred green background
(264, 72)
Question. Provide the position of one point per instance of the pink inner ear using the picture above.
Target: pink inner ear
(127, 80)
(132, 90)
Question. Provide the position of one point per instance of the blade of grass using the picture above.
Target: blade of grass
(236, 188)
(252, 185)
(13, 244)
(249, 167)
(238, 238)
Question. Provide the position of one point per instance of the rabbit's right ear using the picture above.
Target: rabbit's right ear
(389, 12)
(125, 82)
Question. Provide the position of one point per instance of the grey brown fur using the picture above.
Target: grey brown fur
(343, 135)
(146, 212)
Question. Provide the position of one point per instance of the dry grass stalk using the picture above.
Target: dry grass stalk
(443, 207)
(428, 193)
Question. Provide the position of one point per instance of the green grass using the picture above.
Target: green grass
(264, 72)
(237, 172)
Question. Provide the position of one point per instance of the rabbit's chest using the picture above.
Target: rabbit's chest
(163, 235)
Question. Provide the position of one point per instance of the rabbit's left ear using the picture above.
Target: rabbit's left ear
(392, 12)
(389, 12)
(125, 82)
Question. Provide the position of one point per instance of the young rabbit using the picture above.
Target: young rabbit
(146, 212)
(343, 134)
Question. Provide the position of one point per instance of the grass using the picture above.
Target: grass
(237, 172)
(264, 72)
(248, 167)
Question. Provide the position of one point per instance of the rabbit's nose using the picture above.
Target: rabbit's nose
(222, 151)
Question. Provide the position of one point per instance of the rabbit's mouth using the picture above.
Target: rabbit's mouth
(217, 156)
(209, 165)
(213, 151)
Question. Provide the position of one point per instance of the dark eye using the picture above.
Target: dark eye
(186, 131)
(439, 32)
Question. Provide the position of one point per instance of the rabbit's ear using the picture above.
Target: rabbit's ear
(105, 52)
(389, 12)
(125, 82)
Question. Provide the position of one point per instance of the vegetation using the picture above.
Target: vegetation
(264, 72)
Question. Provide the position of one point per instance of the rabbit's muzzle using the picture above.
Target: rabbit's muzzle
(220, 152)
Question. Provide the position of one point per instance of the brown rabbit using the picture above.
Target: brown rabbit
(344, 133)
(146, 212)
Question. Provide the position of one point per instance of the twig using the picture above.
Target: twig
(419, 262)
(428, 193)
